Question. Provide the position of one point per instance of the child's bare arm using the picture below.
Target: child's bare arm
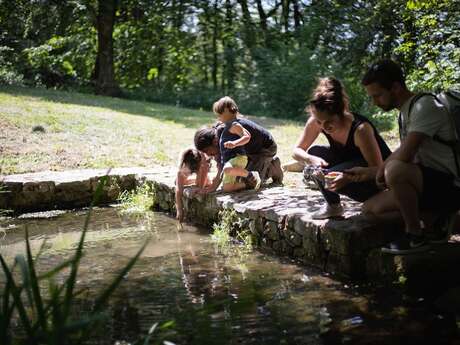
(202, 174)
(179, 192)
(215, 182)
(244, 134)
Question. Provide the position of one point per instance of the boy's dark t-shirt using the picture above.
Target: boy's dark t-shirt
(225, 136)
(260, 137)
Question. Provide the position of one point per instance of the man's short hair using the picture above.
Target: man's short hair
(385, 73)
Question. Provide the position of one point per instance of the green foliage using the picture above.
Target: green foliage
(138, 201)
(190, 52)
(9, 75)
(232, 235)
(430, 44)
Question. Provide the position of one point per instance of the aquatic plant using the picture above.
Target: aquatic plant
(45, 315)
(137, 201)
(232, 230)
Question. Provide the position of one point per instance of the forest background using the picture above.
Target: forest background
(267, 54)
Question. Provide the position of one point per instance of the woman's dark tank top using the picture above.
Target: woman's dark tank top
(350, 151)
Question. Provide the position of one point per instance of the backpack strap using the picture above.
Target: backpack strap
(411, 105)
(455, 143)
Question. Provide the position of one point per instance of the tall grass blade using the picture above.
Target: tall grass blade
(70, 283)
(35, 286)
(100, 301)
(6, 311)
(52, 272)
(16, 294)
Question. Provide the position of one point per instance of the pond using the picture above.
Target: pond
(203, 296)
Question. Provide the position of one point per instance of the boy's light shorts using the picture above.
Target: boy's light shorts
(239, 161)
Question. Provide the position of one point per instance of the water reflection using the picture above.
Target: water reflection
(209, 298)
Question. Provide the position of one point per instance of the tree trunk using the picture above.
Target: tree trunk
(229, 50)
(297, 15)
(249, 34)
(215, 33)
(104, 68)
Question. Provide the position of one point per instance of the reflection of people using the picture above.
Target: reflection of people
(261, 150)
(191, 162)
(421, 174)
(231, 146)
(353, 141)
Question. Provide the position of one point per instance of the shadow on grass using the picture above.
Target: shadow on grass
(187, 117)
(191, 118)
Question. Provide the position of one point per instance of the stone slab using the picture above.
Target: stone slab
(279, 218)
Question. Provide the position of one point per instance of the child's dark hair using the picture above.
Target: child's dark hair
(205, 136)
(385, 73)
(329, 97)
(225, 102)
(191, 158)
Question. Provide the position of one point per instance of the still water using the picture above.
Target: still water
(205, 297)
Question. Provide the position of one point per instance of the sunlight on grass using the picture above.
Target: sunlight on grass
(88, 131)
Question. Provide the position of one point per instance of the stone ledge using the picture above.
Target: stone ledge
(279, 218)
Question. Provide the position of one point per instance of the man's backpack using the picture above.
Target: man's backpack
(451, 101)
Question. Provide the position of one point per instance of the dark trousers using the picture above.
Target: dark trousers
(359, 191)
(262, 161)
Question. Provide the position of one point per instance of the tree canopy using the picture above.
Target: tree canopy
(265, 53)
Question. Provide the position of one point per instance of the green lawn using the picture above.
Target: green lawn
(87, 131)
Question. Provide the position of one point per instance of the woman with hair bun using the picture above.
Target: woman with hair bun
(353, 141)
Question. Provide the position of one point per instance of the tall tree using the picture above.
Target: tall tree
(104, 71)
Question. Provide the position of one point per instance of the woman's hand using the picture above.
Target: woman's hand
(339, 182)
(317, 161)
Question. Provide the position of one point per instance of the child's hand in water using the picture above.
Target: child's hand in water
(229, 145)
(180, 216)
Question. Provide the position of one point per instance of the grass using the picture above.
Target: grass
(138, 201)
(88, 131)
(229, 230)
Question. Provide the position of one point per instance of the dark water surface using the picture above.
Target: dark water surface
(209, 298)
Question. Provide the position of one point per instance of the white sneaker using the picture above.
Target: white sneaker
(328, 211)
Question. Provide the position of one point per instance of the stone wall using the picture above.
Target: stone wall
(279, 219)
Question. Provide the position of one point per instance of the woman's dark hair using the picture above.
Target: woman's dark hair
(191, 158)
(385, 73)
(329, 97)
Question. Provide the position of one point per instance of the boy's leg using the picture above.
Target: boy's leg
(234, 168)
(266, 164)
(233, 187)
